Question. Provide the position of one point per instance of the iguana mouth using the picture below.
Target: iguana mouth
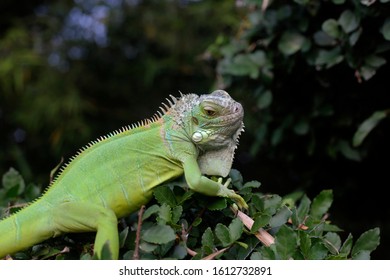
(235, 118)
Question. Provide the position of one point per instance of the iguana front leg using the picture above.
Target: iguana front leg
(199, 183)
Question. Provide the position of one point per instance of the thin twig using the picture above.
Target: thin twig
(63, 251)
(138, 233)
(7, 210)
(264, 237)
(264, 5)
(200, 214)
(301, 226)
(192, 253)
(54, 170)
(215, 254)
(184, 234)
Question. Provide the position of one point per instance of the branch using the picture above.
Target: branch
(138, 233)
(264, 237)
(216, 254)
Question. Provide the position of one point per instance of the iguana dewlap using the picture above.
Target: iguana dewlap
(115, 175)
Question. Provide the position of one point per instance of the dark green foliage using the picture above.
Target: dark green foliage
(312, 77)
(281, 61)
(171, 225)
(13, 188)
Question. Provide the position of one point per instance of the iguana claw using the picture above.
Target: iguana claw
(224, 191)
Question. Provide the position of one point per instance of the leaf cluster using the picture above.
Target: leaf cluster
(180, 224)
(303, 67)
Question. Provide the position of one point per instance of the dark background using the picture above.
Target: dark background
(71, 71)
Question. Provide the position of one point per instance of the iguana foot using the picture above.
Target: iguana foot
(224, 191)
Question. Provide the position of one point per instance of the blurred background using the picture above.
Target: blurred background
(313, 77)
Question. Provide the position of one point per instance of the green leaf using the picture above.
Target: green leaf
(354, 37)
(235, 229)
(258, 202)
(367, 126)
(147, 247)
(286, 242)
(291, 42)
(217, 204)
(236, 177)
(323, 39)
(256, 256)
(208, 238)
(197, 221)
(349, 21)
(281, 217)
(330, 227)
(318, 251)
(123, 236)
(164, 214)
(368, 241)
(13, 180)
(176, 213)
(31, 192)
(332, 28)
(329, 58)
(336, 257)
(347, 245)
(153, 209)
(271, 203)
(385, 30)
(234, 47)
(158, 234)
(86, 257)
(346, 150)
(222, 233)
(321, 204)
(294, 217)
(304, 243)
(264, 100)
(375, 61)
(277, 136)
(367, 72)
(246, 249)
(292, 198)
(317, 227)
(164, 194)
(268, 253)
(179, 252)
(362, 255)
(367, 2)
(260, 222)
(303, 208)
(332, 241)
(259, 58)
(252, 185)
(240, 65)
(186, 196)
(228, 235)
(302, 127)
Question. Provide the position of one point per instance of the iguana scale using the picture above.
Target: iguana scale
(115, 175)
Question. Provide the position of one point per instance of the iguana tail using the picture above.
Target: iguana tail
(24, 229)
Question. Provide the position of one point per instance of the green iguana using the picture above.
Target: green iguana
(116, 174)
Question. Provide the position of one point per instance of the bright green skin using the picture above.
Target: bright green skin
(115, 176)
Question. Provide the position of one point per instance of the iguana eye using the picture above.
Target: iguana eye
(209, 111)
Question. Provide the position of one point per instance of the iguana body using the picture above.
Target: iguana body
(115, 175)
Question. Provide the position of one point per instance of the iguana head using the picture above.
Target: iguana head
(213, 122)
